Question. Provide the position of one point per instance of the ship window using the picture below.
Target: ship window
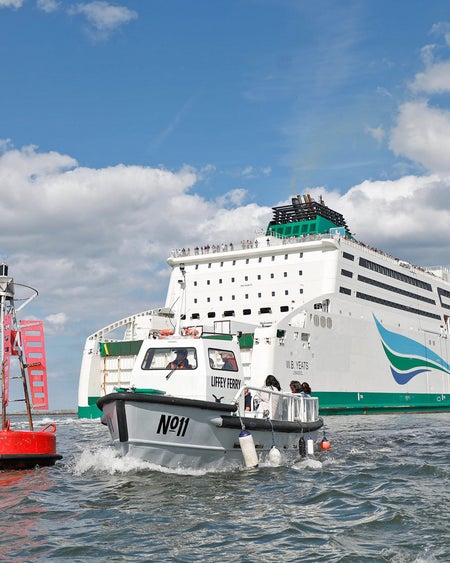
(209, 265)
(300, 272)
(221, 264)
(232, 279)
(285, 256)
(345, 290)
(247, 260)
(222, 359)
(305, 228)
(234, 262)
(195, 283)
(228, 313)
(208, 282)
(316, 320)
(195, 299)
(347, 273)
(246, 278)
(195, 316)
(300, 255)
(286, 292)
(323, 322)
(329, 322)
(301, 290)
(259, 294)
(397, 290)
(220, 280)
(246, 296)
(285, 274)
(397, 305)
(211, 315)
(273, 293)
(247, 312)
(284, 308)
(348, 256)
(394, 274)
(272, 276)
(288, 230)
(265, 310)
(233, 297)
(273, 258)
(170, 358)
(220, 298)
(259, 259)
(196, 266)
(208, 299)
(259, 276)
(295, 229)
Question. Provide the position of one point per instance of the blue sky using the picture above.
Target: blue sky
(132, 127)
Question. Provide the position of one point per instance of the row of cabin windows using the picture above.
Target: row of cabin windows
(232, 313)
(247, 260)
(373, 299)
(388, 287)
(272, 276)
(385, 271)
(247, 296)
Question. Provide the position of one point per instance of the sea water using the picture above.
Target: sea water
(380, 493)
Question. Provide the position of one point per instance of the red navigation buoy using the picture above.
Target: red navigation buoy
(24, 341)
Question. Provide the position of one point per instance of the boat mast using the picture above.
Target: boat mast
(6, 294)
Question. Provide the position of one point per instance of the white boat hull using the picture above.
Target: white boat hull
(191, 434)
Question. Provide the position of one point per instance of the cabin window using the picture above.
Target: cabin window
(195, 299)
(224, 360)
(345, 290)
(264, 310)
(220, 281)
(259, 294)
(208, 299)
(284, 308)
(195, 283)
(246, 260)
(260, 259)
(300, 272)
(246, 278)
(178, 358)
(228, 313)
(301, 290)
(259, 276)
(272, 276)
(247, 312)
(246, 296)
(211, 315)
(232, 279)
(285, 274)
(285, 256)
(346, 273)
(286, 292)
(273, 293)
(273, 258)
(348, 256)
(208, 282)
(300, 255)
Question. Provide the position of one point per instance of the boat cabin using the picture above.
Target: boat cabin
(193, 364)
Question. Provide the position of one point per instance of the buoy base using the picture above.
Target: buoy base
(26, 449)
(27, 461)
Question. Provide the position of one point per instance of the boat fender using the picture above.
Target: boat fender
(248, 449)
(275, 455)
(310, 445)
(302, 447)
(324, 443)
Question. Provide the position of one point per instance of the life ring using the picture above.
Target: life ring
(165, 332)
(190, 332)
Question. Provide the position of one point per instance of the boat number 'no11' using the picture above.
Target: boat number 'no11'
(169, 423)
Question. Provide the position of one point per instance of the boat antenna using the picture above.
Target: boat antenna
(182, 283)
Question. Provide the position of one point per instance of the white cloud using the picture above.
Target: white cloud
(48, 5)
(435, 79)
(422, 135)
(102, 17)
(378, 133)
(11, 3)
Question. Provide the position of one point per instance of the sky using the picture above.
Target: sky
(130, 128)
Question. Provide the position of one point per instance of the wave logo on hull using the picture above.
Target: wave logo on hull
(408, 357)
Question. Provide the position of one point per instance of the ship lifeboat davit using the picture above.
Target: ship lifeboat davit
(25, 449)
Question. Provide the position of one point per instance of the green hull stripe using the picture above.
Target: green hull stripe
(92, 411)
(362, 403)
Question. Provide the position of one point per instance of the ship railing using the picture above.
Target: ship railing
(278, 405)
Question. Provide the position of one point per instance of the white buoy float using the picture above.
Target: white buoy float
(310, 446)
(248, 448)
(275, 455)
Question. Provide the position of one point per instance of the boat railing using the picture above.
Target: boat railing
(278, 405)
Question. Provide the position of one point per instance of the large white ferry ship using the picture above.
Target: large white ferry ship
(368, 332)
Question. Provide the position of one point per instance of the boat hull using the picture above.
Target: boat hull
(191, 434)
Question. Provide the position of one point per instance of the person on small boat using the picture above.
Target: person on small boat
(247, 400)
(265, 399)
(306, 389)
(181, 360)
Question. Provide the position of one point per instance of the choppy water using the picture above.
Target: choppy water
(380, 494)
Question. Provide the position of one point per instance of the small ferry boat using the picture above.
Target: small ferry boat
(23, 341)
(187, 406)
